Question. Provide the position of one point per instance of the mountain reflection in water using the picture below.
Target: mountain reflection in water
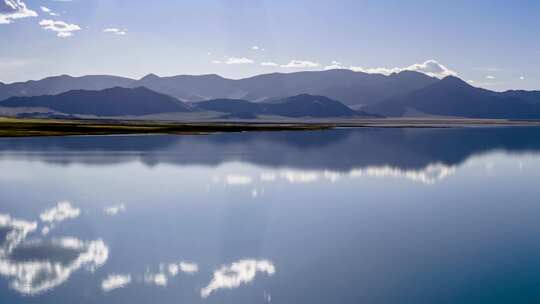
(337, 216)
(341, 150)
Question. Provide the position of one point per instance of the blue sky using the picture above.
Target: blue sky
(494, 44)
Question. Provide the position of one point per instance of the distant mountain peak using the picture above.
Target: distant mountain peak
(453, 80)
(304, 95)
(410, 75)
(150, 76)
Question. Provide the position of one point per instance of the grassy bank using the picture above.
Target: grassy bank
(12, 127)
(15, 127)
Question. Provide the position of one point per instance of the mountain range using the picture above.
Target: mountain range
(331, 93)
(452, 96)
(303, 105)
(143, 101)
(108, 102)
(350, 88)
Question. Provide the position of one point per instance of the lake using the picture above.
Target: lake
(339, 216)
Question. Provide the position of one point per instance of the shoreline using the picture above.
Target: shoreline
(17, 127)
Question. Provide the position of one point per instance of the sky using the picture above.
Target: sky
(490, 43)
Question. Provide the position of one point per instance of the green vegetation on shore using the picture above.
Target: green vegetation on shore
(15, 127)
(19, 127)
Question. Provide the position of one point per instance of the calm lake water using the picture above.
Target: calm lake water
(341, 216)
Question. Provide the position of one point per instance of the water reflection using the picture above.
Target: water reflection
(61, 212)
(335, 150)
(38, 265)
(342, 216)
(114, 209)
(428, 175)
(158, 279)
(115, 281)
(236, 274)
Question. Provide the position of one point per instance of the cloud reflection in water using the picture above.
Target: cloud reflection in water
(236, 274)
(36, 266)
(428, 175)
(61, 212)
(115, 281)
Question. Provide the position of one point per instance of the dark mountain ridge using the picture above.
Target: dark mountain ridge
(303, 105)
(108, 102)
(400, 94)
(454, 97)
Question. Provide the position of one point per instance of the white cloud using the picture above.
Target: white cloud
(335, 65)
(62, 29)
(115, 281)
(235, 60)
(490, 77)
(14, 9)
(236, 274)
(385, 71)
(522, 77)
(115, 31)
(269, 63)
(115, 209)
(255, 48)
(48, 11)
(61, 212)
(429, 67)
(64, 34)
(296, 64)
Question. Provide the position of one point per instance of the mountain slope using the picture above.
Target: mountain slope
(303, 105)
(351, 88)
(454, 97)
(235, 108)
(108, 102)
(61, 84)
(191, 87)
(529, 96)
(308, 105)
